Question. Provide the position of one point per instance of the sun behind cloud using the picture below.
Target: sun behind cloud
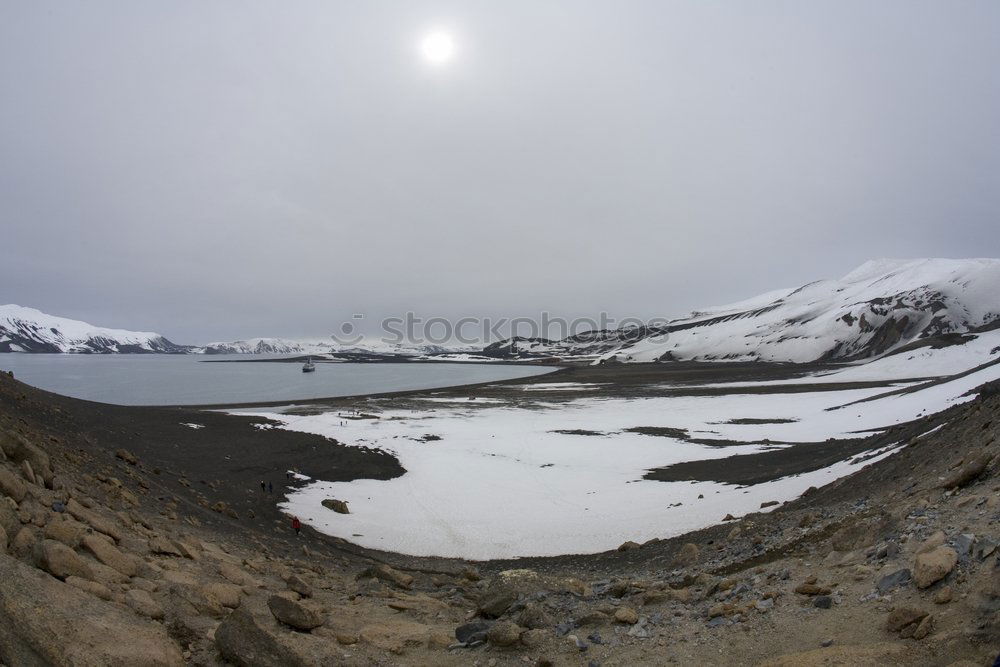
(437, 47)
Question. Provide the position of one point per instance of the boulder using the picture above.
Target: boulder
(11, 485)
(338, 506)
(968, 472)
(504, 633)
(163, 546)
(92, 587)
(27, 472)
(892, 580)
(60, 561)
(901, 617)
(470, 633)
(142, 603)
(497, 599)
(250, 640)
(65, 530)
(9, 520)
(388, 574)
(687, 556)
(187, 551)
(126, 456)
(593, 617)
(106, 575)
(19, 448)
(812, 588)
(626, 615)
(109, 554)
(933, 542)
(236, 575)
(293, 613)
(933, 566)
(300, 586)
(46, 622)
(99, 523)
(629, 546)
(534, 616)
(228, 595)
(924, 627)
(199, 600)
(23, 545)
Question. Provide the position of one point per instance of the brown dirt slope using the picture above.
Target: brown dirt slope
(137, 559)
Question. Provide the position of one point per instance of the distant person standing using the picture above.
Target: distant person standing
(263, 487)
(270, 487)
(296, 525)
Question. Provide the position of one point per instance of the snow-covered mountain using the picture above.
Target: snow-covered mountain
(260, 346)
(29, 330)
(879, 307)
(325, 347)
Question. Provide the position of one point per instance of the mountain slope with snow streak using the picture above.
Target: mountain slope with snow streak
(880, 307)
(29, 330)
(261, 346)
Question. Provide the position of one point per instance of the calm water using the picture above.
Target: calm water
(154, 379)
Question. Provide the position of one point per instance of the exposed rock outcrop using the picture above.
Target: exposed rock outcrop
(72, 628)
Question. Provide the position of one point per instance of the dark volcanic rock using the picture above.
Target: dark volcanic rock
(890, 581)
(469, 633)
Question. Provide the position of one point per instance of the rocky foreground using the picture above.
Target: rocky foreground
(102, 563)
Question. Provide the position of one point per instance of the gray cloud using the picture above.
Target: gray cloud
(227, 169)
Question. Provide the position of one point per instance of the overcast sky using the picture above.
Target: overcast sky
(230, 169)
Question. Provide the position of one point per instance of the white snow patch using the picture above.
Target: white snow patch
(501, 483)
(561, 386)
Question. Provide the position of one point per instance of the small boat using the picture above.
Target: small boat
(309, 366)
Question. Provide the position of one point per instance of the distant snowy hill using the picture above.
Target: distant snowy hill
(258, 346)
(878, 308)
(29, 330)
(324, 347)
(884, 306)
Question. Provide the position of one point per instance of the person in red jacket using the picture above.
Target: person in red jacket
(296, 525)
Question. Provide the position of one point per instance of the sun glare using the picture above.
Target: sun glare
(437, 47)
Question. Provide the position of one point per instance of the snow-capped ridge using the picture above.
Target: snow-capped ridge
(882, 306)
(24, 329)
(879, 307)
